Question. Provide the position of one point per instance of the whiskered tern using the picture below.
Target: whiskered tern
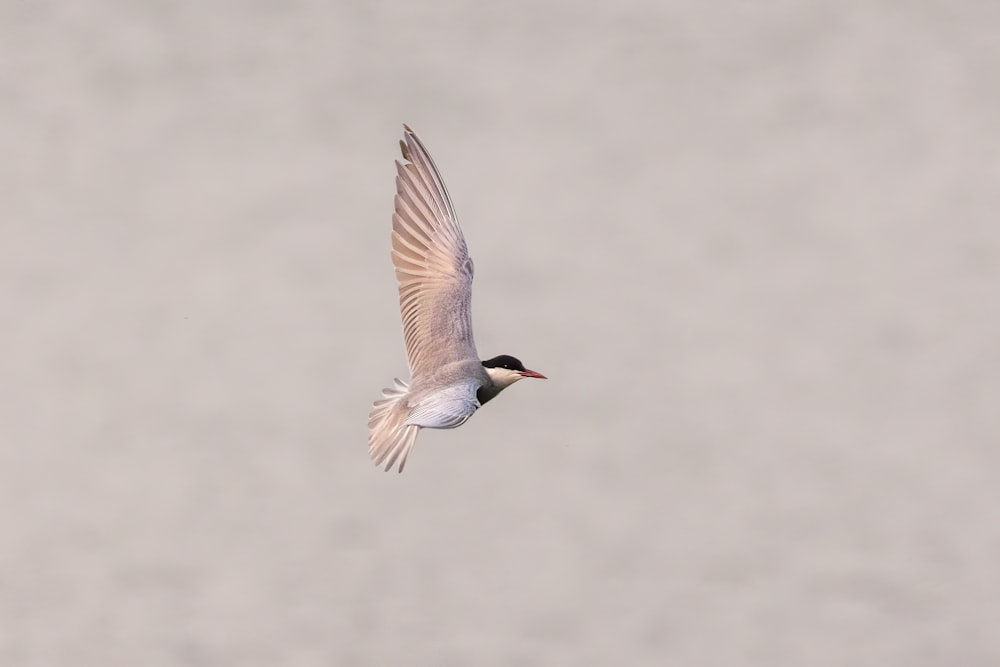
(448, 382)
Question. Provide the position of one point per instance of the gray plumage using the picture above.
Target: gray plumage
(434, 272)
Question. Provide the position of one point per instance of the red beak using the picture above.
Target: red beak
(532, 374)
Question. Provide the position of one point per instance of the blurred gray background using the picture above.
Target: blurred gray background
(754, 246)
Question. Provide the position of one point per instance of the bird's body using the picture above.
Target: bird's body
(434, 270)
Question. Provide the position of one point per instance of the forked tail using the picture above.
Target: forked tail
(389, 437)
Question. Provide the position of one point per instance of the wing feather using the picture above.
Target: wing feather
(432, 263)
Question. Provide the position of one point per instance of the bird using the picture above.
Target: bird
(448, 381)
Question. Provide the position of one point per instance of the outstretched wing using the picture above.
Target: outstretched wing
(432, 263)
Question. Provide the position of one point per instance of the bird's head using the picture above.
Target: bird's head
(505, 370)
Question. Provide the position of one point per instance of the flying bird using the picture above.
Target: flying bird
(448, 382)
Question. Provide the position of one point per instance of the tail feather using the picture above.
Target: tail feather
(389, 437)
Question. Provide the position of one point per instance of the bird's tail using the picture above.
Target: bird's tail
(389, 437)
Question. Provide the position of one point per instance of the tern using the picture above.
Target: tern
(448, 382)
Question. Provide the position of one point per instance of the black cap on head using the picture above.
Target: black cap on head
(504, 361)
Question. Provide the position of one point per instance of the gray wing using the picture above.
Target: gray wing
(448, 408)
(432, 263)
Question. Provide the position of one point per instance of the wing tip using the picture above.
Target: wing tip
(410, 135)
